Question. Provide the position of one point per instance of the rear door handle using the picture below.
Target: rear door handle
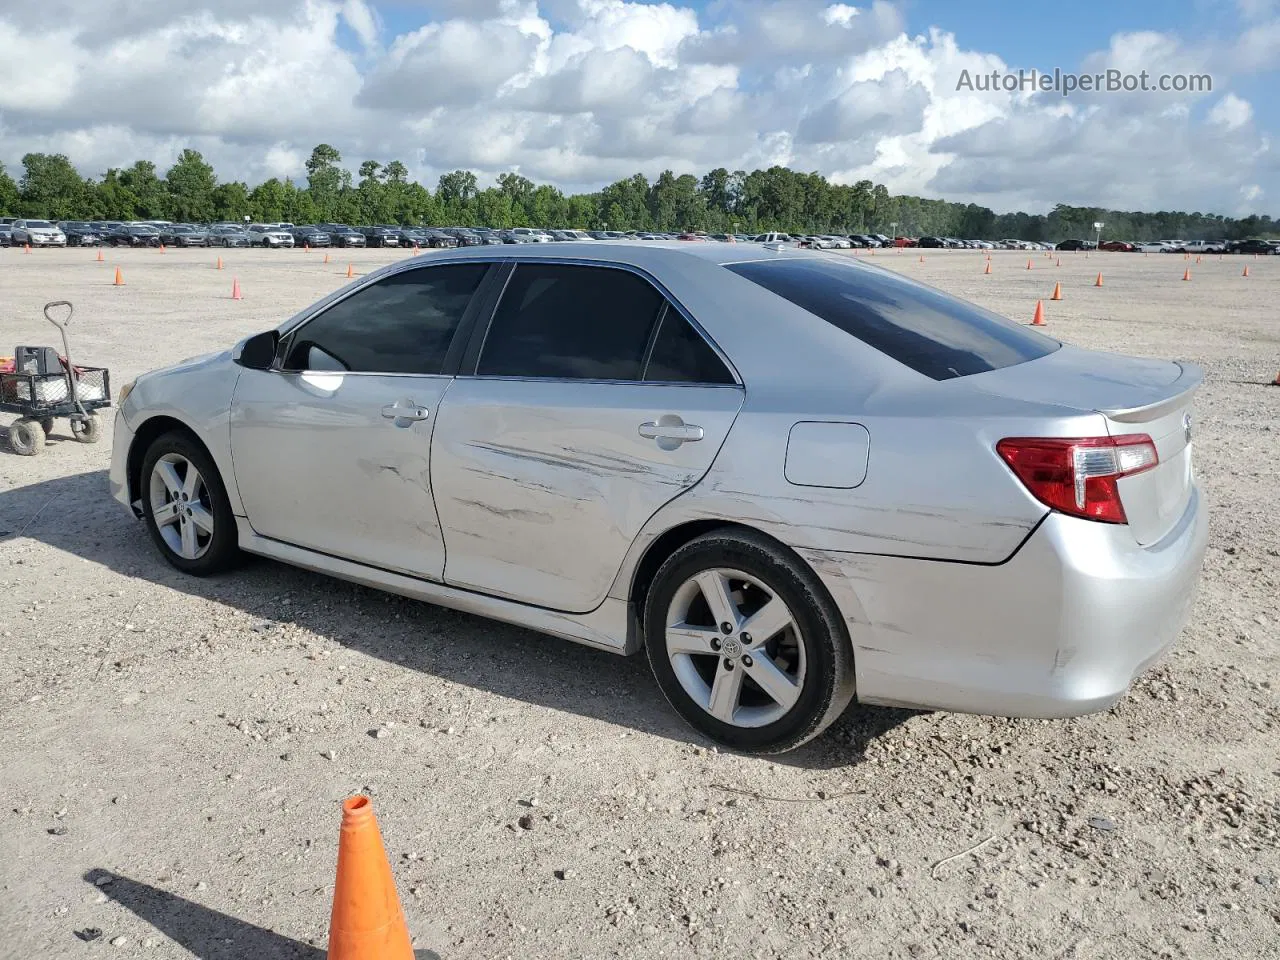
(405, 410)
(670, 431)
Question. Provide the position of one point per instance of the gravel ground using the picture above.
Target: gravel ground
(172, 751)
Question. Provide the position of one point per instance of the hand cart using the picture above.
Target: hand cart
(41, 386)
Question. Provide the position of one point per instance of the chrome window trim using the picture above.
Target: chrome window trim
(666, 294)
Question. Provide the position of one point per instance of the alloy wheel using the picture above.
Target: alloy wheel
(181, 507)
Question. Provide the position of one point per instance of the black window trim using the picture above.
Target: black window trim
(479, 303)
(471, 358)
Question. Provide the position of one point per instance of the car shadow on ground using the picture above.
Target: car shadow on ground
(75, 514)
(205, 933)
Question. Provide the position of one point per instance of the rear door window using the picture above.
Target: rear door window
(929, 331)
(569, 322)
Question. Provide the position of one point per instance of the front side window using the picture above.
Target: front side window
(400, 324)
(571, 322)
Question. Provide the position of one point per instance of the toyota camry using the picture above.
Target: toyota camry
(792, 479)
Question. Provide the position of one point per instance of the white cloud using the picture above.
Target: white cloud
(582, 92)
(1231, 112)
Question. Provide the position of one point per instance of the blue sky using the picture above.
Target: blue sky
(583, 92)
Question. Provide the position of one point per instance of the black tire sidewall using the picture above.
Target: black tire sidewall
(224, 551)
(828, 663)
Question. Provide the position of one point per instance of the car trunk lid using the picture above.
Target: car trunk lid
(1134, 396)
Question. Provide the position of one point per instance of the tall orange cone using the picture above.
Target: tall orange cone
(1028, 263)
(26, 248)
(1038, 319)
(306, 248)
(235, 289)
(1059, 262)
(1098, 282)
(350, 272)
(326, 258)
(988, 270)
(100, 256)
(162, 248)
(219, 263)
(119, 279)
(1246, 271)
(416, 249)
(922, 258)
(1197, 259)
(366, 922)
(1057, 292)
(1186, 274)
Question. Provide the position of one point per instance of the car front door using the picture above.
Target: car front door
(593, 402)
(331, 449)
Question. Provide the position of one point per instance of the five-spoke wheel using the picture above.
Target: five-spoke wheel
(186, 506)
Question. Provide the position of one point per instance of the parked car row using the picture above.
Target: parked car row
(154, 233)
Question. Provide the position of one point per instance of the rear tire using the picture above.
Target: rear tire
(196, 532)
(87, 431)
(763, 693)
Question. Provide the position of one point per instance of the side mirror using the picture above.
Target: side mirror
(259, 351)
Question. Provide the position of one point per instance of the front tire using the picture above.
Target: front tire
(746, 644)
(26, 436)
(185, 507)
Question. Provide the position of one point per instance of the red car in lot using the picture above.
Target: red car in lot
(905, 242)
(1117, 246)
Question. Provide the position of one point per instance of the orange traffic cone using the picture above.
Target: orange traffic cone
(162, 248)
(1197, 259)
(1038, 319)
(922, 258)
(1028, 264)
(988, 270)
(26, 248)
(1059, 262)
(1186, 274)
(1057, 292)
(119, 279)
(350, 272)
(235, 289)
(326, 258)
(100, 256)
(219, 263)
(366, 922)
(1246, 271)
(1098, 282)
(416, 250)
(306, 248)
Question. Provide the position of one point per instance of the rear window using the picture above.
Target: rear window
(929, 331)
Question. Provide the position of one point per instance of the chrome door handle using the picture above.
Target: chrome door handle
(405, 410)
(670, 431)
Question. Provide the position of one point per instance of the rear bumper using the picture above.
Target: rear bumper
(1058, 630)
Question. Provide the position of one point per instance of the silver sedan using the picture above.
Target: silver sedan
(791, 478)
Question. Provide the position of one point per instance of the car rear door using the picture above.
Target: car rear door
(331, 449)
(592, 401)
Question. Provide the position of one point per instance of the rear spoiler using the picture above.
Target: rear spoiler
(1179, 392)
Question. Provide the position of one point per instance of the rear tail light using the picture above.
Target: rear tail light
(1079, 476)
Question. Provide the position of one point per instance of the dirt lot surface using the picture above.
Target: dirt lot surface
(173, 751)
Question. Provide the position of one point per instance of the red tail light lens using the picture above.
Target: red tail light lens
(1078, 476)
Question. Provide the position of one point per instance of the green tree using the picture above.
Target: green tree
(326, 181)
(231, 201)
(8, 194)
(190, 183)
(50, 187)
(151, 201)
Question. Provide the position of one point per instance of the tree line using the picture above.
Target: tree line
(721, 201)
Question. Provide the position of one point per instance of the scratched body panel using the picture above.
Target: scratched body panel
(350, 482)
(542, 486)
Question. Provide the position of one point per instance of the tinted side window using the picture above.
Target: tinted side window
(570, 322)
(929, 331)
(680, 355)
(402, 324)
